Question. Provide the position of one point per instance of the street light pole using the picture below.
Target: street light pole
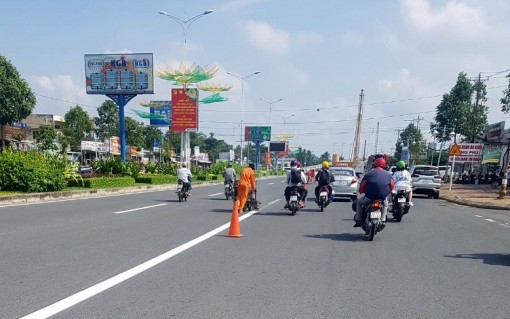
(185, 24)
(285, 117)
(241, 80)
(271, 107)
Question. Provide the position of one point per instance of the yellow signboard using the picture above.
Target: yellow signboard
(455, 150)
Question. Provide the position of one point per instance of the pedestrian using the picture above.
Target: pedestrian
(246, 181)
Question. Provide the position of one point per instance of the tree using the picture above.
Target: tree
(505, 100)
(107, 122)
(151, 134)
(78, 126)
(16, 98)
(213, 146)
(46, 136)
(462, 111)
(411, 136)
(324, 157)
(134, 132)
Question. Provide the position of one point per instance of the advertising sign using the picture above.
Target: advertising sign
(404, 154)
(491, 156)
(112, 145)
(257, 133)
(14, 133)
(277, 146)
(495, 131)
(164, 110)
(469, 153)
(130, 73)
(184, 110)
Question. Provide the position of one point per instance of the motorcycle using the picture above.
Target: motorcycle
(400, 205)
(295, 197)
(372, 223)
(229, 190)
(182, 191)
(251, 202)
(324, 197)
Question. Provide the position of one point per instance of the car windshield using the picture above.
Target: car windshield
(342, 172)
(427, 171)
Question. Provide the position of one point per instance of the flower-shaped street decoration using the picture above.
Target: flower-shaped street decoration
(213, 87)
(184, 77)
(154, 104)
(147, 115)
(216, 97)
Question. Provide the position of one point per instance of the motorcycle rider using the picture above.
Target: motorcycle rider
(184, 176)
(376, 185)
(297, 182)
(246, 180)
(305, 184)
(323, 178)
(229, 174)
(403, 180)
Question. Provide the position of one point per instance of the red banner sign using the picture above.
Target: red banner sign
(184, 110)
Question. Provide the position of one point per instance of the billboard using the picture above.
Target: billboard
(130, 73)
(257, 133)
(164, 110)
(495, 131)
(277, 146)
(470, 153)
(184, 110)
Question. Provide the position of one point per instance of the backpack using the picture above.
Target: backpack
(324, 178)
(295, 176)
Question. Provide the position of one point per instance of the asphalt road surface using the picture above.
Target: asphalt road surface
(146, 255)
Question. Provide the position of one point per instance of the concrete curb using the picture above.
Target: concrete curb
(467, 202)
(38, 197)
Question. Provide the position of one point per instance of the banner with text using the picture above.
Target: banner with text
(184, 110)
(471, 153)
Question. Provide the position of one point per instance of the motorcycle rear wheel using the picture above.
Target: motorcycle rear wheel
(371, 231)
(398, 212)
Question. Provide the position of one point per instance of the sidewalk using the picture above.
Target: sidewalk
(481, 196)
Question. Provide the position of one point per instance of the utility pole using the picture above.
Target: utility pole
(376, 138)
(355, 153)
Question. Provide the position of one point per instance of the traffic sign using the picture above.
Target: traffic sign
(455, 150)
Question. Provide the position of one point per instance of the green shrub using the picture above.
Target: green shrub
(156, 179)
(151, 168)
(104, 182)
(31, 171)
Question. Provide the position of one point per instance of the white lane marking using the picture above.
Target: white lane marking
(140, 208)
(115, 280)
(504, 225)
(282, 181)
(490, 220)
(274, 202)
(215, 194)
(478, 216)
(270, 183)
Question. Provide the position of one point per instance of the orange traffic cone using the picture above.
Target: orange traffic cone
(234, 230)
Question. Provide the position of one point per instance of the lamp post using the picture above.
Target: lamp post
(271, 107)
(285, 117)
(443, 135)
(241, 80)
(185, 24)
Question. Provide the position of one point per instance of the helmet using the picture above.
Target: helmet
(183, 164)
(251, 166)
(401, 164)
(298, 164)
(380, 162)
(292, 163)
(229, 164)
(325, 164)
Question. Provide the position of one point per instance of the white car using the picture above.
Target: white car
(346, 182)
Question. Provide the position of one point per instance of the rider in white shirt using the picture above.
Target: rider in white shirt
(184, 175)
(403, 180)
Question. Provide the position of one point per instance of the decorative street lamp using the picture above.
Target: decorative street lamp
(242, 79)
(271, 107)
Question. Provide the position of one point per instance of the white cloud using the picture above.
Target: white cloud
(454, 18)
(268, 38)
(386, 84)
(352, 38)
(44, 82)
(307, 37)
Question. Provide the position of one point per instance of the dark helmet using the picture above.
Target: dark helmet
(252, 166)
(292, 163)
(229, 164)
(380, 162)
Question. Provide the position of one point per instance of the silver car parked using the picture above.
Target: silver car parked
(346, 182)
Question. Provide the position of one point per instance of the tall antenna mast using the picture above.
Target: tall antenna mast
(355, 153)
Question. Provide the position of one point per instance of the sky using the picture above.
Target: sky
(316, 56)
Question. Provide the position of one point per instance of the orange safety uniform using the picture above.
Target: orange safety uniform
(246, 180)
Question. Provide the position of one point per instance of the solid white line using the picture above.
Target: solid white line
(102, 286)
(215, 194)
(478, 216)
(140, 208)
(490, 220)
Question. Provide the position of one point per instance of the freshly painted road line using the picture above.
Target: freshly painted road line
(140, 208)
(113, 281)
(215, 194)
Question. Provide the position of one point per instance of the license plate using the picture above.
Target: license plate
(293, 198)
(226, 186)
(323, 194)
(376, 214)
(401, 200)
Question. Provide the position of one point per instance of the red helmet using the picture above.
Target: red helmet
(380, 162)
(298, 164)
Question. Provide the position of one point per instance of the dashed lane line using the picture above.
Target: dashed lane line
(490, 220)
(216, 194)
(139, 208)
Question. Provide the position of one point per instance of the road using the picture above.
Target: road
(146, 255)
